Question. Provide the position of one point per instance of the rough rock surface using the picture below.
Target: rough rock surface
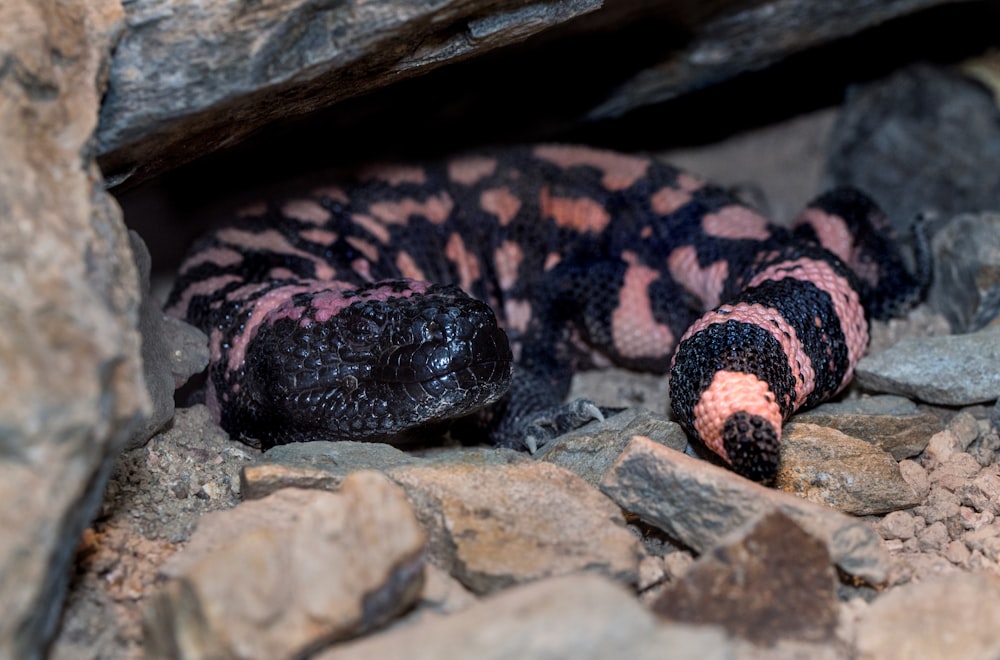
(923, 620)
(919, 141)
(212, 73)
(891, 423)
(956, 370)
(828, 467)
(700, 504)
(966, 287)
(575, 616)
(278, 577)
(156, 495)
(72, 386)
(495, 526)
(769, 582)
(591, 450)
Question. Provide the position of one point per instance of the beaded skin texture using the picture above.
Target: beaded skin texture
(466, 292)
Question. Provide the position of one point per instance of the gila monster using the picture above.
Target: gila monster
(365, 310)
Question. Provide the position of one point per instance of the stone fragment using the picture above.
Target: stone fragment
(585, 617)
(953, 616)
(891, 423)
(897, 525)
(213, 73)
(769, 582)
(591, 450)
(493, 526)
(828, 467)
(966, 286)
(699, 504)
(956, 370)
(320, 465)
(71, 382)
(291, 573)
(919, 141)
(983, 493)
(157, 364)
(916, 476)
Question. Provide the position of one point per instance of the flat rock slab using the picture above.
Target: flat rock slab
(772, 582)
(591, 450)
(278, 577)
(584, 617)
(701, 504)
(892, 423)
(956, 370)
(950, 616)
(322, 465)
(828, 467)
(494, 526)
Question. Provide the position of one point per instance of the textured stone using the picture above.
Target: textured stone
(494, 526)
(956, 370)
(828, 467)
(291, 573)
(320, 465)
(212, 73)
(157, 364)
(584, 617)
(891, 423)
(770, 582)
(919, 142)
(966, 287)
(72, 388)
(700, 504)
(591, 450)
(932, 619)
(209, 74)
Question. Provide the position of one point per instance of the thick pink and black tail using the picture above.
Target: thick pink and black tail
(793, 333)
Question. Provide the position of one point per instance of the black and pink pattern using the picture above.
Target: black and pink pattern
(324, 323)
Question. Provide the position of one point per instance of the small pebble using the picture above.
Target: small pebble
(957, 553)
(965, 428)
(897, 525)
(934, 538)
(915, 475)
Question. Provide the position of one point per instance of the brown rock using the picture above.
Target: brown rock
(585, 617)
(932, 619)
(700, 504)
(72, 386)
(291, 572)
(773, 582)
(495, 526)
(891, 423)
(828, 467)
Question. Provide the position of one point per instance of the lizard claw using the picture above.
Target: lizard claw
(544, 425)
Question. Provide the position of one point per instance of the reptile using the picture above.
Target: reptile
(465, 292)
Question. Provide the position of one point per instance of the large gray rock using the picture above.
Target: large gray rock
(211, 73)
(584, 617)
(192, 78)
(276, 577)
(966, 287)
(72, 386)
(701, 504)
(955, 370)
(922, 140)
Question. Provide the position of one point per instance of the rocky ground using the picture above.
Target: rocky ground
(612, 542)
